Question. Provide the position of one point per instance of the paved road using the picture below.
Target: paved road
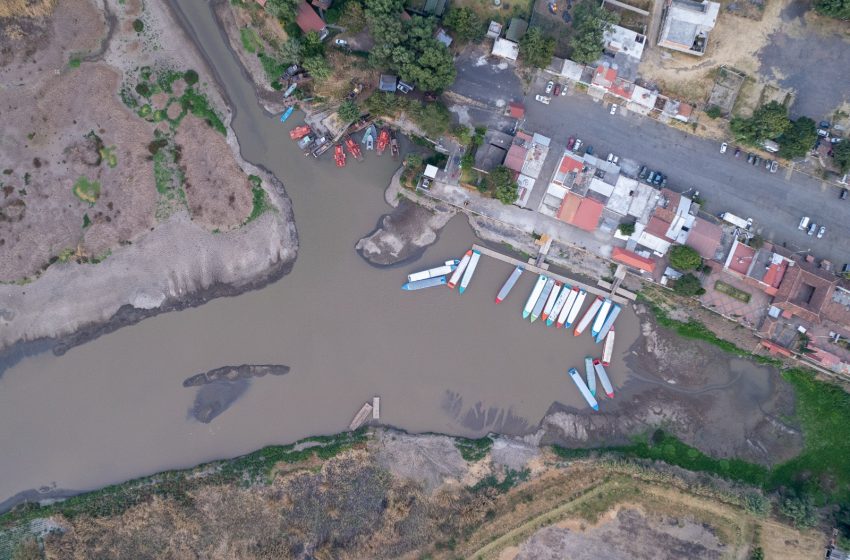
(776, 202)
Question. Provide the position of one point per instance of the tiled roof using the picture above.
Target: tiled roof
(307, 18)
(569, 164)
(587, 217)
(632, 259)
(516, 157)
(517, 110)
(569, 207)
(742, 259)
(704, 238)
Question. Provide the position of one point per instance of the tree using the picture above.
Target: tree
(282, 9)
(688, 285)
(465, 23)
(313, 45)
(841, 155)
(798, 139)
(318, 67)
(713, 111)
(757, 553)
(590, 21)
(348, 111)
(504, 187)
(839, 9)
(800, 510)
(292, 51)
(627, 229)
(190, 77)
(354, 17)
(536, 49)
(684, 258)
(463, 134)
(768, 122)
(414, 161)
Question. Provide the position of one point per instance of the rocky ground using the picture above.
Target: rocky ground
(394, 495)
(123, 191)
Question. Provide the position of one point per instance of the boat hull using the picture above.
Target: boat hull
(582, 295)
(588, 316)
(609, 322)
(567, 308)
(541, 301)
(550, 302)
(509, 284)
(600, 317)
(590, 375)
(603, 378)
(426, 283)
(469, 272)
(566, 291)
(533, 297)
(461, 267)
(608, 349)
(582, 387)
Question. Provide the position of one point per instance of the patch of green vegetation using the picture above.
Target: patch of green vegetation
(145, 111)
(138, 25)
(74, 62)
(86, 221)
(491, 481)
(197, 104)
(260, 202)
(273, 67)
(145, 73)
(162, 172)
(732, 291)
(473, 450)
(166, 78)
(109, 156)
(250, 40)
(86, 189)
(158, 115)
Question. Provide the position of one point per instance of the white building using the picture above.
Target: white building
(505, 49)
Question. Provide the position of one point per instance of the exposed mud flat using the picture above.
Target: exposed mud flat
(234, 373)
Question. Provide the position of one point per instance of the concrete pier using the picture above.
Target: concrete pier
(538, 270)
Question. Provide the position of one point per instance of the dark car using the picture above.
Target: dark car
(567, 17)
(642, 173)
(843, 195)
(589, 150)
(757, 161)
(751, 157)
(571, 142)
(737, 152)
(658, 178)
(650, 177)
(557, 90)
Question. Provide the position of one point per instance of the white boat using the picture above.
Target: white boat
(535, 294)
(568, 305)
(590, 374)
(550, 302)
(588, 316)
(600, 317)
(585, 392)
(576, 308)
(603, 377)
(509, 284)
(461, 267)
(559, 304)
(609, 322)
(608, 349)
(470, 270)
(446, 268)
(541, 301)
(425, 283)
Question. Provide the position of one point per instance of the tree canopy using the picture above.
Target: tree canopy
(282, 9)
(688, 285)
(768, 122)
(292, 51)
(353, 17)
(590, 21)
(318, 67)
(841, 155)
(536, 49)
(504, 187)
(839, 9)
(348, 111)
(684, 258)
(465, 23)
(798, 139)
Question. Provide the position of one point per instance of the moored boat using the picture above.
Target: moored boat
(550, 302)
(286, 114)
(576, 308)
(608, 349)
(461, 268)
(609, 322)
(568, 305)
(339, 155)
(425, 283)
(541, 301)
(290, 90)
(322, 146)
(559, 305)
(590, 375)
(393, 145)
(383, 140)
(509, 284)
(353, 147)
(600, 317)
(603, 378)
(299, 131)
(582, 387)
(534, 295)
(306, 141)
(588, 316)
(470, 270)
(446, 268)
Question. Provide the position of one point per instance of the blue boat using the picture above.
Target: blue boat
(427, 283)
(609, 322)
(582, 387)
(286, 114)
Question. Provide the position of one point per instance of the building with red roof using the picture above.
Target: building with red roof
(516, 157)
(704, 238)
(569, 207)
(632, 259)
(516, 109)
(604, 76)
(308, 20)
(588, 214)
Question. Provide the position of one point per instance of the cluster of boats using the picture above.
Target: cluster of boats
(315, 145)
(557, 304)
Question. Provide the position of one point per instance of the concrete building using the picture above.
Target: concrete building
(388, 83)
(492, 151)
(619, 40)
(494, 31)
(503, 48)
(685, 25)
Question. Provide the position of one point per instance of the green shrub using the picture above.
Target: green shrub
(138, 25)
(190, 77)
(713, 112)
(684, 258)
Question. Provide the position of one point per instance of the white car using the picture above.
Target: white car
(549, 87)
(341, 43)
(543, 99)
(610, 158)
(821, 231)
(804, 223)
(613, 108)
(723, 147)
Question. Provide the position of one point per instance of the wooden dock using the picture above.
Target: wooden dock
(538, 270)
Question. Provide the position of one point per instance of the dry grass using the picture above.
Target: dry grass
(26, 8)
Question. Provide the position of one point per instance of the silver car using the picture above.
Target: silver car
(821, 231)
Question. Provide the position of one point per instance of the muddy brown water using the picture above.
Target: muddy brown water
(115, 408)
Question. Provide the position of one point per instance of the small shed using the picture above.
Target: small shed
(494, 31)
(516, 29)
(387, 82)
(443, 37)
(505, 49)
(431, 171)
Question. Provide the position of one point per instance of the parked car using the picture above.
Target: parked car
(651, 177)
(774, 165)
(589, 150)
(616, 160)
(821, 231)
(549, 86)
(610, 158)
(613, 108)
(843, 195)
(571, 142)
(723, 147)
(543, 99)
(750, 157)
(824, 124)
(757, 161)
(813, 227)
(737, 152)
(403, 87)
(767, 163)
(642, 173)
(804, 223)
(658, 178)
(563, 90)
(557, 91)
(341, 43)
(663, 182)
(577, 144)
(822, 132)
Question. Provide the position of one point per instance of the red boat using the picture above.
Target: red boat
(339, 155)
(383, 140)
(299, 132)
(353, 148)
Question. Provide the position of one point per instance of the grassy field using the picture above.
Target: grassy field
(732, 291)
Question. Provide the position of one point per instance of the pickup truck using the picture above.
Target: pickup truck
(543, 99)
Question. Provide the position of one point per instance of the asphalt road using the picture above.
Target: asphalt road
(776, 202)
